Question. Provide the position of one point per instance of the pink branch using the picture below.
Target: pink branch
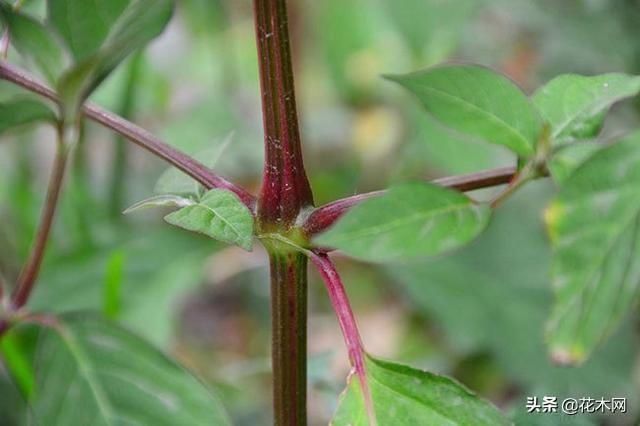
(348, 325)
(134, 133)
(325, 216)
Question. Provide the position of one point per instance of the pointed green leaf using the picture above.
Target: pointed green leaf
(576, 106)
(166, 200)
(34, 40)
(594, 226)
(84, 25)
(408, 221)
(103, 40)
(18, 112)
(479, 103)
(92, 372)
(406, 396)
(220, 215)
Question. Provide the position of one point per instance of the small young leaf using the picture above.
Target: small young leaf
(406, 396)
(32, 39)
(219, 215)
(576, 106)
(479, 103)
(594, 226)
(408, 221)
(166, 200)
(19, 112)
(92, 372)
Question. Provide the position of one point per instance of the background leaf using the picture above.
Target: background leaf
(102, 42)
(477, 102)
(90, 371)
(406, 396)
(219, 215)
(33, 40)
(576, 105)
(490, 301)
(408, 221)
(18, 112)
(594, 226)
(566, 160)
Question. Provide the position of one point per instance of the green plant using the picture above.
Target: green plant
(592, 223)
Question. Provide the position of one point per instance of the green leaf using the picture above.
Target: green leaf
(406, 396)
(18, 112)
(576, 106)
(493, 297)
(91, 371)
(566, 160)
(85, 25)
(34, 40)
(408, 221)
(594, 226)
(101, 42)
(166, 200)
(219, 215)
(479, 103)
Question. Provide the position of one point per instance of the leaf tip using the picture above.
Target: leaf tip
(567, 357)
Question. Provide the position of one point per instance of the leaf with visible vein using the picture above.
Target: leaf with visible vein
(92, 372)
(219, 215)
(479, 103)
(594, 226)
(576, 105)
(406, 396)
(34, 40)
(408, 221)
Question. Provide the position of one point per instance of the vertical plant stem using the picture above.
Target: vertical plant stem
(285, 193)
(285, 188)
(119, 162)
(289, 347)
(30, 271)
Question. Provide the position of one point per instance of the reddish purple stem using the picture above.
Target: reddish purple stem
(325, 216)
(348, 325)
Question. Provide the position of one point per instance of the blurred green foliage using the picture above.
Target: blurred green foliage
(478, 314)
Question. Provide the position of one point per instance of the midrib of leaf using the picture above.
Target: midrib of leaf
(565, 124)
(401, 222)
(423, 406)
(594, 282)
(592, 274)
(84, 365)
(237, 232)
(492, 117)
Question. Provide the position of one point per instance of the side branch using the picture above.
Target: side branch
(325, 216)
(31, 269)
(134, 133)
(348, 325)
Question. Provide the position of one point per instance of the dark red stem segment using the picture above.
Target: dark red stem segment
(289, 340)
(135, 134)
(285, 187)
(348, 325)
(31, 269)
(325, 216)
